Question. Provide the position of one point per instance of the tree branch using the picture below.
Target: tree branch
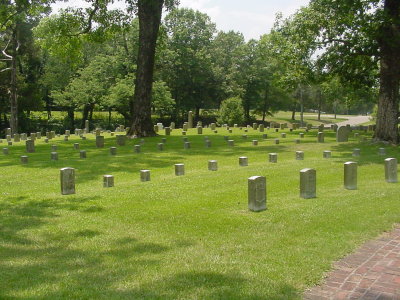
(6, 69)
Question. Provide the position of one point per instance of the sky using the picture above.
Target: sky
(251, 17)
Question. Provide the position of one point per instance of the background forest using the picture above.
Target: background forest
(81, 66)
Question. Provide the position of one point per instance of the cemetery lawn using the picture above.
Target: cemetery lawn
(309, 118)
(186, 237)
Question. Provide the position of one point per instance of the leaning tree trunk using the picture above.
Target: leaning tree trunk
(388, 105)
(149, 12)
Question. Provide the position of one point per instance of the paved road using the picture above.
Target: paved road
(356, 120)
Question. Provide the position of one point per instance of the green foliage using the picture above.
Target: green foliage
(231, 111)
(162, 101)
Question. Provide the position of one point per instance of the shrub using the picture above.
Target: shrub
(231, 111)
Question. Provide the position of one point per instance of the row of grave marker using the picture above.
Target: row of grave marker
(273, 157)
(121, 141)
(257, 185)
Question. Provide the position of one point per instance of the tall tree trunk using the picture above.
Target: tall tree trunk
(265, 106)
(149, 12)
(196, 115)
(294, 112)
(319, 104)
(388, 105)
(71, 117)
(91, 108)
(301, 108)
(85, 115)
(13, 83)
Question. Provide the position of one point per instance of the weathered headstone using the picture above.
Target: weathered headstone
(179, 169)
(121, 139)
(185, 127)
(299, 155)
(160, 146)
(190, 119)
(76, 146)
(172, 126)
(87, 126)
(53, 148)
(207, 143)
(321, 137)
(264, 136)
(167, 131)
(30, 146)
(276, 141)
(155, 127)
(213, 126)
(183, 132)
(356, 152)
(391, 170)
(24, 159)
(5, 151)
(243, 161)
(321, 128)
(301, 134)
(382, 151)
(137, 148)
(261, 128)
(342, 134)
(327, 154)
(82, 154)
(350, 175)
(257, 193)
(186, 145)
(212, 165)
(273, 157)
(108, 181)
(144, 175)
(113, 150)
(297, 141)
(54, 156)
(67, 178)
(255, 142)
(283, 135)
(17, 138)
(100, 141)
(308, 183)
(199, 130)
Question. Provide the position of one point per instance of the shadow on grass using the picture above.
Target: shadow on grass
(368, 152)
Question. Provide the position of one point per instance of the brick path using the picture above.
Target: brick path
(373, 272)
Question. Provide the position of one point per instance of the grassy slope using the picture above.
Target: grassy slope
(286, 117)
(186, 237)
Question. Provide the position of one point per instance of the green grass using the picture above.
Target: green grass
(310, 118)
(187, 237)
